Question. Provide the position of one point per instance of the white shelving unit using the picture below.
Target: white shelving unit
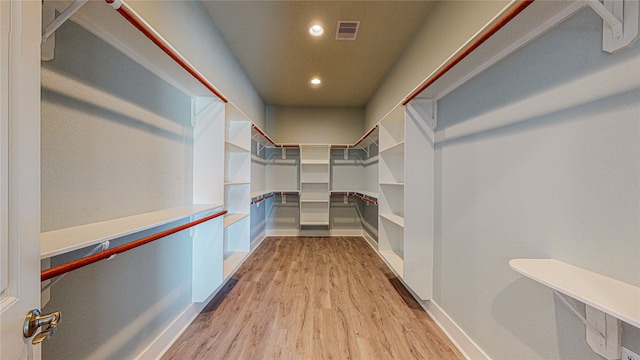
(405, 198)
(391, 193)
(314, 185)
(237, 189)
(208, 187)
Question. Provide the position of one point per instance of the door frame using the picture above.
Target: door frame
(21, 174)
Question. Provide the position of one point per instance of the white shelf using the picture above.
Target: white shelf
(231, 219)
(314, 181)
(314, 223)
(235, 147)
(398, 220)
(232, 261)
(314, 162)
(395, 261)
(396, 149)
(232, 183)
(56, 242)
(314, 201)
(618, 299)
(392, 183)
(256, 194)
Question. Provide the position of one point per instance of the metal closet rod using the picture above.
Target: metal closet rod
(357, 142)
(264, 135)
(523, 4)
(82, 262)
(131, 16)
(375, 202)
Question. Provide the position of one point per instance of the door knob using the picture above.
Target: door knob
(35, 320)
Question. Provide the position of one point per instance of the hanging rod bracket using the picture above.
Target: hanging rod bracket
(114, 3)
(619, 22)
(426, 110)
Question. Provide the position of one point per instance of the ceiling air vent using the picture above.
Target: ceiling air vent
(347, 30)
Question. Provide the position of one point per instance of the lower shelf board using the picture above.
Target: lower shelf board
(232, 260)
(396, 219)
(314, 223)
(231, 219)
(395, 261)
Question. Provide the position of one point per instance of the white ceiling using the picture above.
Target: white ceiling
(273, 45)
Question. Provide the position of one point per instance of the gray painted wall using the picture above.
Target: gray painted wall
(560, 183)
(113, 146)
(190, 28)
(315, 125)
(447, 27)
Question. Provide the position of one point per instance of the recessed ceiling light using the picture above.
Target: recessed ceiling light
(316, 30)
(315, 81)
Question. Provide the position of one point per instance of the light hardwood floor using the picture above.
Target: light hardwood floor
(313, 298)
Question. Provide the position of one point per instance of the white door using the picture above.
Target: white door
(20, 174)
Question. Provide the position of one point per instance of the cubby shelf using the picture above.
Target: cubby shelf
(231, 219)
(230, 146)
(233, 183)
(395, 149)
(396, 219)
(57, 242)
(315, 162)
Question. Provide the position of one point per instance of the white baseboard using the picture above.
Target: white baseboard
(171, 333)
(460, 339)
(161, 344)
(303, 232)
(258, 241)
(370, 240)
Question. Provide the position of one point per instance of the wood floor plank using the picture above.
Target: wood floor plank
(313, 298)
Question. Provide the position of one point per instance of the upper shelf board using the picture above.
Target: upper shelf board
(57, 242)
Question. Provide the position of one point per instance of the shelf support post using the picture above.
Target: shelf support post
(51, 28)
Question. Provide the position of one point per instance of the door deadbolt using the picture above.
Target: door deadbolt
(35, 320)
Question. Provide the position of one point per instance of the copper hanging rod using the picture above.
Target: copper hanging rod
(82, 262)
(481, 39)
(135, 21)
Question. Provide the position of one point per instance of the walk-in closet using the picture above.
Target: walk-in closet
(311, 179)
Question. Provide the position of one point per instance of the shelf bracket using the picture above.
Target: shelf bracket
(284, 153)
(424, 109)
(603, 331)
(96, 249)
(49, 15)
(619, 22)
(346, 153)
